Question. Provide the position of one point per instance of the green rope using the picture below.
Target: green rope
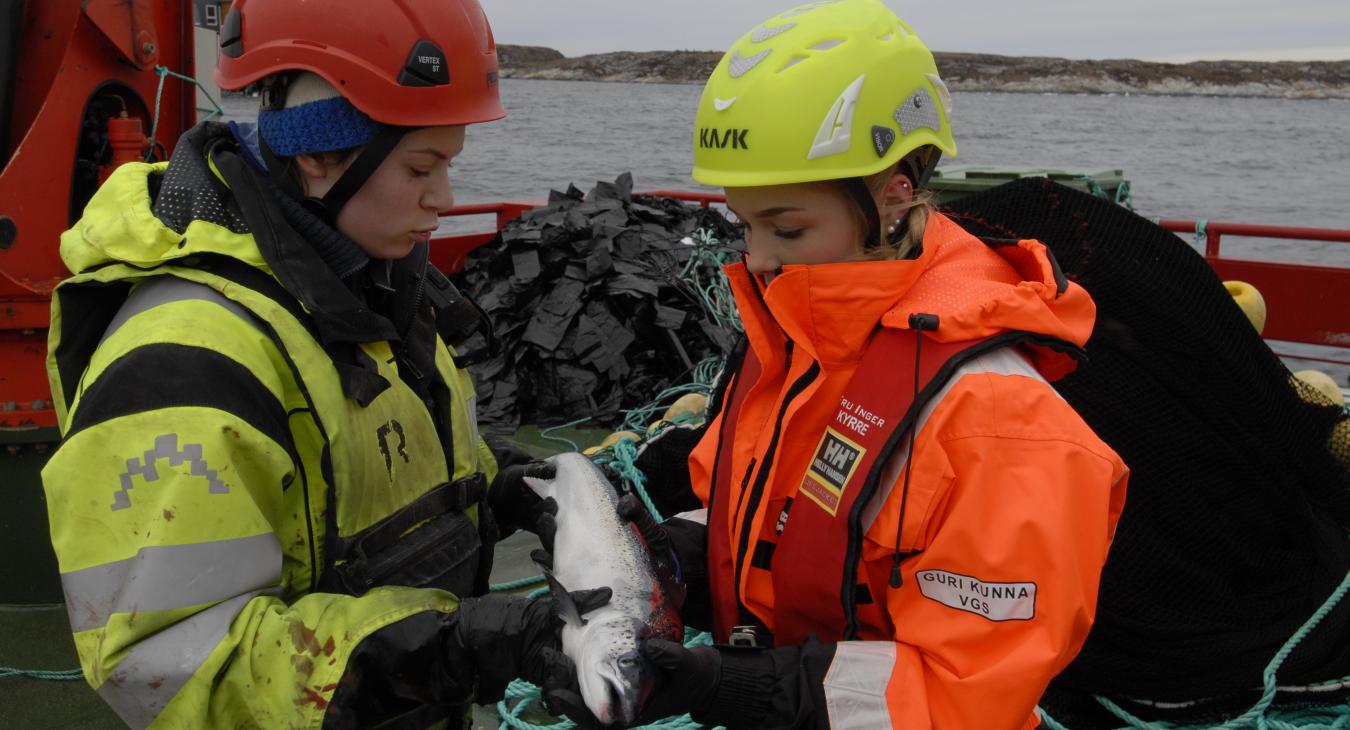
(163, 74)
(1201, 228)
(1259, 716)
(547, 434)
(63, 675)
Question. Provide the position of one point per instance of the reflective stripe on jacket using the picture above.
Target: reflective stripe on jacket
(1012, 500)
(212, 466)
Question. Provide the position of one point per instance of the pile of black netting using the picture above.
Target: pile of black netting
(594, 305)
(1235, 526)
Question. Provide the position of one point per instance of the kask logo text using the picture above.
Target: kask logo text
(714, 138)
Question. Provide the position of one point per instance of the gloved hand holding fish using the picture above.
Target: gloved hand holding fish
(594, 547)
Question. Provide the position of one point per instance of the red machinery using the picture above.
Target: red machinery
(79, 87)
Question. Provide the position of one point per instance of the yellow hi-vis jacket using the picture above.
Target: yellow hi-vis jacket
(214, 476)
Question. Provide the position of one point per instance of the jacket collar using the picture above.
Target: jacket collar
(832, 309)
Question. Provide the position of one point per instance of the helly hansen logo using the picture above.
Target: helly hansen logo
(714, 138)
(835, 459)
(830, 471)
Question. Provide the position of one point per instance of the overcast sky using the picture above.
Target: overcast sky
(1164, 30)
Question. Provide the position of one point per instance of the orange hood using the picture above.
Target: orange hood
(975, 290)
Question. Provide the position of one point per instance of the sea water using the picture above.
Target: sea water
(1248, 160)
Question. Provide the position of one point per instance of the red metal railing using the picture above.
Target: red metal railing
(1305, 302)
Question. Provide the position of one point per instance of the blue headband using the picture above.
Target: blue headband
(316, 126)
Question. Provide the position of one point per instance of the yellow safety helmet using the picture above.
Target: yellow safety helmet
(828, 90)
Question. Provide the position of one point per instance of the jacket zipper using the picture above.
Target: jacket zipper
(765, 466)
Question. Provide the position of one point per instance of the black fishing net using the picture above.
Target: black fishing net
(1235, 526)
(594, 306)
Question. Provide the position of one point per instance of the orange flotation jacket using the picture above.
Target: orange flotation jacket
(890, 470)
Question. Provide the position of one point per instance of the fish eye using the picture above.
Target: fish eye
(627, 660)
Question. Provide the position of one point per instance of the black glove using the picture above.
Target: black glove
(665, 559)
(505, 636)
(513, 503)
(686, 681)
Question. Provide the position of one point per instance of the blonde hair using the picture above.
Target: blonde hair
(914, 213)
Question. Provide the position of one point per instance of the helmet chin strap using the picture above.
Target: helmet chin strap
(327, 208)
(868, 205)
(918, 166)
(356, 174)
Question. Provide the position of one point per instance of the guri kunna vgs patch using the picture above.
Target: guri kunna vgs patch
(831, 469)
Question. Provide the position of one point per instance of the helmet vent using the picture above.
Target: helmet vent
(944, 94)
(764, 32)
(795, 60)
(826, 45)
(739, 65)
(835, 134)
(888, 38)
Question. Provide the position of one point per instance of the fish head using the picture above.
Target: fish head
(615, 678)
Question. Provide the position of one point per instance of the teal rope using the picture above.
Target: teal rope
(163, 74)
(547, 434)
(1124, 196)
(1259, 716)
(512, 585)
(1092, 186)
(64, 675)
(1200, 233)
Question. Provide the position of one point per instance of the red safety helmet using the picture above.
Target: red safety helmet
(408, 63)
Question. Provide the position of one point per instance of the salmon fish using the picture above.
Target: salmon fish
(596, 548)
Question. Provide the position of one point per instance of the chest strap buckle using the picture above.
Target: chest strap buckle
(748, 636)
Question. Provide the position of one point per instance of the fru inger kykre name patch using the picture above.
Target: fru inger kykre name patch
(994, 601)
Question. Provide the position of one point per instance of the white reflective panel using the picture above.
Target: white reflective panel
(855, 686)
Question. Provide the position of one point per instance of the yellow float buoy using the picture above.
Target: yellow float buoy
(1250, 300)
(618, 436)
(1322, 383)
(694, 403)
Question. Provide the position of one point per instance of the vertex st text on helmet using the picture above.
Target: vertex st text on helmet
(406, 63)
(827, 90)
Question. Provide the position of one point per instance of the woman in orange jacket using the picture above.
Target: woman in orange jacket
(905, 525)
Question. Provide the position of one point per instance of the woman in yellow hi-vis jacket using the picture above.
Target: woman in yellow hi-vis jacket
(271, 505)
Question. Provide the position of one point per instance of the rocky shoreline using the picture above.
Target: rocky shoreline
(980, 72)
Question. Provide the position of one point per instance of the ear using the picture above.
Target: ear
(898, 193)
(311, 167)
